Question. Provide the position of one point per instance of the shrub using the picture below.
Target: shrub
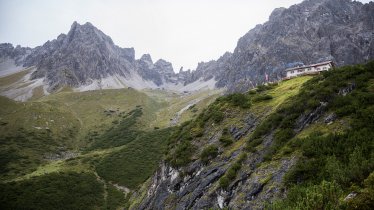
(230, 174)
(197, 131)
(208, 153)
(239, 99)
(263, 97)
(226, 138)
(224, 182)
(182, 154)
(252, 92)
(262, 88)
(217, 116)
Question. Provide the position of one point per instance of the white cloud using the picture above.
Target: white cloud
(181, 31)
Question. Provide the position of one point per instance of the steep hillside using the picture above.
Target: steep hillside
(290, 145)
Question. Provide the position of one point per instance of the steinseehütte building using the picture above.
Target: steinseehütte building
(309, 69)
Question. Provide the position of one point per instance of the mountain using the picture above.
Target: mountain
(309, 32)
(83, 55)
(84, 59)
(306, 33)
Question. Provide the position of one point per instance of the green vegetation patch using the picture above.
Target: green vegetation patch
(226, 139)
(208, 153)
(120, 134)
(53, 191)
(116, 199)
(137, 161)
(231, 173)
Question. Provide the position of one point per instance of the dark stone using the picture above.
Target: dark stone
(307, 119)
(330, 118)
(347, 90)
(253, 190)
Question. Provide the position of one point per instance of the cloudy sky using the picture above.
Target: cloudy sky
(183, 32)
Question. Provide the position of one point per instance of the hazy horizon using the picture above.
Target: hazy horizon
(181, 32)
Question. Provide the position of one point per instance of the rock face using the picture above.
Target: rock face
(313, 31)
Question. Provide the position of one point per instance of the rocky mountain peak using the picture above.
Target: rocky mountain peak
(164, 67)
(276, 13)
(87, 34)
(147, 59)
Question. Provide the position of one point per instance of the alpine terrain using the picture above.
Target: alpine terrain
(84, 124)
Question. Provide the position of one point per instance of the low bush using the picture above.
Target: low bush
(209, 153)
(262, 97)
(239, 99)
(181, 155)
(226, 139)
(231, 173)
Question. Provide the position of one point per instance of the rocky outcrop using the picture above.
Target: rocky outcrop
(237, 133)
(308, 118)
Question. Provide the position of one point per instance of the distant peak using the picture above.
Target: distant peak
(277, 12)
(146, 57)
(86, 25)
